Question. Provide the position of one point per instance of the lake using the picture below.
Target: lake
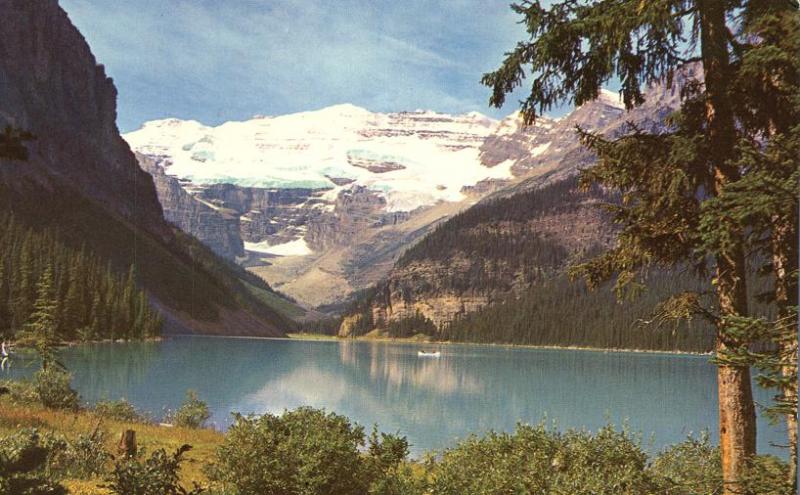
(433, 401)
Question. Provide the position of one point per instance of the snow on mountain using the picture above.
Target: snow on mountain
(611, 98)
(297, 247)
(327, 200)
(412, 159)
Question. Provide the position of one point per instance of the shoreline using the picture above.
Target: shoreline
(316, 337)
(412, 340)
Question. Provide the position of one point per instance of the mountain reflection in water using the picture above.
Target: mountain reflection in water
(434, 402)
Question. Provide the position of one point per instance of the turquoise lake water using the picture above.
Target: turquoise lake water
(432, 401)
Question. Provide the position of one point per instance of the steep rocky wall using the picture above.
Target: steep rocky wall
(214, 227)
(265, 212)
(82, 179)
(355, 212)
(52, 86)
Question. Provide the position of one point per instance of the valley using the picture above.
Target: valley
(283, 223)
(327, 201)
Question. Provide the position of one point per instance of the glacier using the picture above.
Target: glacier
(412, 159)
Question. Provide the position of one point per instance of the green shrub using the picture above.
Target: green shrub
(193, 413)
(86, 456)
(768, 476)
(156, 475)
(388, 471)
(53, 388)
(539, 460)
(688, 468)
(305, 451)
(26, 464)
(21, 392)
(121, 410)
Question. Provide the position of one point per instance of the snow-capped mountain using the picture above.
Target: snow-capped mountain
(411, 159)
(327, 199)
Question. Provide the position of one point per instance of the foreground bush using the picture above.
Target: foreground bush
(86, 456)
(193, 413)
(121, 410)
(768, 476)
(53, 389)
(26, 464)
(156, 475)
(539, 460)
(21, 392)
(305, 451)
(388, 468)
(689, 468)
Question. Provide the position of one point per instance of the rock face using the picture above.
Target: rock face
(216, 228)
(355, 212)
(474, 258)
(344, 191)
(550, 144)
(51, 85)
(266, 213)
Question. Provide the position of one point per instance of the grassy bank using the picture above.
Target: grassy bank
(150, 437)
(314, 452)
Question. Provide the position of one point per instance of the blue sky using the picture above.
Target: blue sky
(219, 60)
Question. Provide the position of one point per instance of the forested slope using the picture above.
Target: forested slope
(84, 296)
(496, 273)
(74, 183)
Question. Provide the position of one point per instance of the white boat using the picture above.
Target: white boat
(429, 354)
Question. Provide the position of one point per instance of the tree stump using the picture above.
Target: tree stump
(127, 443)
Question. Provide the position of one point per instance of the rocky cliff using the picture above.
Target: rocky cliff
(522, 233)
(216, 227)
(52, 86)
(279, 215)
(82, 181)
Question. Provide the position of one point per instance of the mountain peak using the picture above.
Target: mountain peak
(611, 98)
(345, 109)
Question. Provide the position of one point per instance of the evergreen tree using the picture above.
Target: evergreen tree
(5, 313)
(23, 282)
(91, 301)
(72, 313)
(667, 181)
(40, 329)
(99, 324)
(765, 201)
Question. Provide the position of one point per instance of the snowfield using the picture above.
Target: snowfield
(412, 159)
(297, 247)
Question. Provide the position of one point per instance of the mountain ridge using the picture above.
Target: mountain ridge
(371, 183)
(82, 181)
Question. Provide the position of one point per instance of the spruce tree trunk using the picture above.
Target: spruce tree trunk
(784, 264)
(737, 426)
(737, 418)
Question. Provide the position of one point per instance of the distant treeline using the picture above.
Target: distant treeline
(178, 271)
(560, 312)
(523, 274)
(90, 301)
